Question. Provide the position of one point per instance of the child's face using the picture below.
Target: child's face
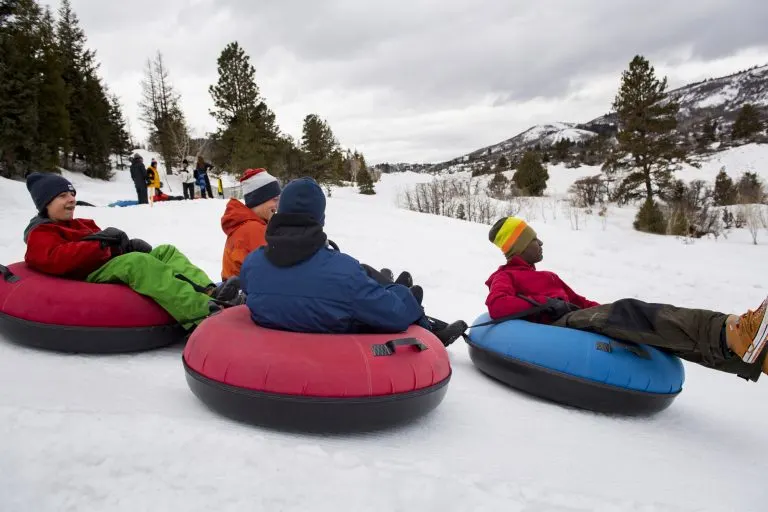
(534, 252)
(266, 209)
(62, 207)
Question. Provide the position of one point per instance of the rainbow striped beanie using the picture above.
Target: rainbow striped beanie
(512, 235)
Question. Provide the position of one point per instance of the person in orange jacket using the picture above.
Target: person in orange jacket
(246, 224)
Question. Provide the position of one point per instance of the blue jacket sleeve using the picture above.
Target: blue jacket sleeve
(392, 308)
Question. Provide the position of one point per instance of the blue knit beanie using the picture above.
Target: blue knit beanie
(305, 196)
(45, 186)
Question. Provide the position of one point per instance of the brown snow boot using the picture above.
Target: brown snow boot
(747, 335)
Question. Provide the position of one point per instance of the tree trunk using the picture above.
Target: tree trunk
(648, 184)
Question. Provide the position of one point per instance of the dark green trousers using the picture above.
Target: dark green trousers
(696, 335)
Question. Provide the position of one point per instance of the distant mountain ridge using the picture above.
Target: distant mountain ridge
(718, 99)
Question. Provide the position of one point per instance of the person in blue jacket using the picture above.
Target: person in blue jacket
(201, 177)
(301, 282)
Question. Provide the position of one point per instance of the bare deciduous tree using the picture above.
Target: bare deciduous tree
(453, 197)
(753, 219)
(160, 111)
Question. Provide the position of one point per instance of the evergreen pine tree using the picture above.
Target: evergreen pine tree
(498, 185)
(650, 218)
(531, 176)
(77, 65)
(97, 129)
(460, 213)
(365, 182)
(361, 161)
(318, 143)
(747, 123)
(750, 189)
(248, 135)
(725, 192)
(561, 148)
(647, 149)
(53, 118)
(708, 133)
(20, 81)
(502, 164)
(51, 100)
(337, 166)
(120, 139)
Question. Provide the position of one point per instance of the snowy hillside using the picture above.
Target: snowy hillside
(545, 135)
(124, 433)
(719, 98)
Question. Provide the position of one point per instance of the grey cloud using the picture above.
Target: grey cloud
(425, 55)
(441, 52)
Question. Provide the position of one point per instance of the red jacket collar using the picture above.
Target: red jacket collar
(518, 263)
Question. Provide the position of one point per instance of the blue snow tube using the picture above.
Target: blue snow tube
(124, 202)
(576, 368)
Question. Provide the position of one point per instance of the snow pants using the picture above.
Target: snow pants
(141, 192)
(189, 190)
(166, 276)
(208, 185)
(695, 335)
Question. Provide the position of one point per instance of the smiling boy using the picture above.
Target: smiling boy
(61, 245)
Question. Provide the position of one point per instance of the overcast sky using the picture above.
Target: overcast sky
(421, 80)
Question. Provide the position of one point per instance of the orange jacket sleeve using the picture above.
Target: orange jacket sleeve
(249, 237)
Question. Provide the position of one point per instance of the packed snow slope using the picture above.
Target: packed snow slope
(124, 433)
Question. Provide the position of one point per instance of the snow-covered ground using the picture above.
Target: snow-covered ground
(125, 433)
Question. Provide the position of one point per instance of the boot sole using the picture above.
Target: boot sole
(758, 343)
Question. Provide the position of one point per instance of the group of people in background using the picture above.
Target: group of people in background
(148, 184)
(198, 176)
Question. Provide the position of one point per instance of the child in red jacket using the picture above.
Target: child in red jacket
(730, 343)
(60, 245)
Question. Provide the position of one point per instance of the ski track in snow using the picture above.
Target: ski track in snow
(125, 433)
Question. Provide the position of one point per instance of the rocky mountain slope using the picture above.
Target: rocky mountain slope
(717, 99)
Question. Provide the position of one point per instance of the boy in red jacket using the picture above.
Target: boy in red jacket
(730, 343)
(60, 245)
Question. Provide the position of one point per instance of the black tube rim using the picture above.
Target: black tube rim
(315, 415)
(567, 389)
(582, 380)
(284, 397)
(91, 340)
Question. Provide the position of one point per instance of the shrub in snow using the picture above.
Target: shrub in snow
(690, 210)
(650, 218)
(750, 189)
(498, 187)
(588, 191)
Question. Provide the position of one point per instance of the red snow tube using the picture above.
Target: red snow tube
(74, 316)
(314, 382)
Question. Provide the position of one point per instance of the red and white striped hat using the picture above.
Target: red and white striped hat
(258, 187)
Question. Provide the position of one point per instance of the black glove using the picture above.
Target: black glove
(377, 276)
(110, 237)
(417, 292)
(137, 245)
(557, 308)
